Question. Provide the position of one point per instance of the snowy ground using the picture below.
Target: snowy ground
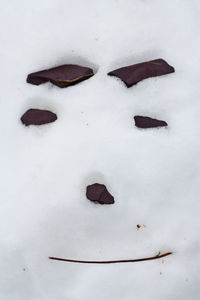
(153, 174)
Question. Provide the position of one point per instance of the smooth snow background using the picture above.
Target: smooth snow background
(153, 174)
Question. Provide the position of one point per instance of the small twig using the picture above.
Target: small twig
(158, 256)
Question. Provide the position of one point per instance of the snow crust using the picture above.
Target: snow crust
(154, 175)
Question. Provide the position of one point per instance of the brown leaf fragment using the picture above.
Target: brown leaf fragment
(147, 122)
(133, 74)
(61, 76)
(38, 117)
(98, 192)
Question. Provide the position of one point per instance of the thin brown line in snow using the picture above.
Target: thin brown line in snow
(158, 256)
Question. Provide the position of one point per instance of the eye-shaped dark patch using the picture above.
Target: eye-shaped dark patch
(98, 192)
(38, 117)
(131, 75)
(146, 122)
(62, 76)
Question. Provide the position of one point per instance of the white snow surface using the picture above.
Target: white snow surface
(153, 174)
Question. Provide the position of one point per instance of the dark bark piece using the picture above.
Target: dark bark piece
(131, 75)
(38, 117)
(62, 76)
(146, 122)
(98, 192)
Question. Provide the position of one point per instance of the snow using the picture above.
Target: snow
(154, 175)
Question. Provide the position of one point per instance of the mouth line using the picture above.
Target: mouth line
(158, 256)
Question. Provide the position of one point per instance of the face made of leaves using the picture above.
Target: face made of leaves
(68, 75)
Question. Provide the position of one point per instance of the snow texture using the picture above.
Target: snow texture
(153, 174)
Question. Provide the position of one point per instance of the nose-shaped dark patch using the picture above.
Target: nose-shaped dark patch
(62, 76)
(131, 75)
(38, 117)
(146, 122)
(98, 192)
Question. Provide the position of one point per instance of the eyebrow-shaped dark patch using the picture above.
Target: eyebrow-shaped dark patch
(131, 75)
(38, 117)
(146, 122)
(62, 76)
(98, 192)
